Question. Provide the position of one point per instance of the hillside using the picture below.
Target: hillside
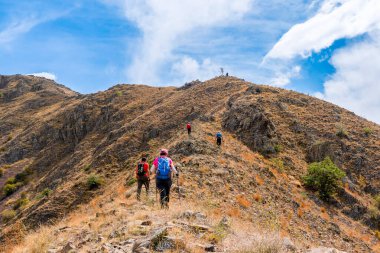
(248, 194)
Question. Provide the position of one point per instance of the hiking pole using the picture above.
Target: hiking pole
(179, 194)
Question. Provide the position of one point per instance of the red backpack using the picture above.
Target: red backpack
(188, 126)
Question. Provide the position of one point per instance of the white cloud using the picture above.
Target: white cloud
(283, 78)
(355, 85)
(189, 69)
(164, 22)
(335, 19)
(16, 28)
(46, 75)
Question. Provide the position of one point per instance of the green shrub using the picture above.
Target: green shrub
(23, 201)
(21, 177)
(377, 201)
(1, 95)
(367, 131)
(119, 93)
(7, 215)
(45, 193)
(8, 189)
(10, 180)
(278, 148)
(342, 133)
(94, 182)
(324, 177)
(87, 167)
(131, 181)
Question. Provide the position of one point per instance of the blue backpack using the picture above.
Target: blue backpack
(163, 170)
(218, 135)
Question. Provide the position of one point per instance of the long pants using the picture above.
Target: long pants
(140, 182)
(189, 131)
(218, 141)
(164, 185)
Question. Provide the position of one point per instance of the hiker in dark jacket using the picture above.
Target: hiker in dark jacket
(163, 167)
(218, 138)
(142, 176)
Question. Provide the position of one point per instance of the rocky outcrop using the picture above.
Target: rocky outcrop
(252, 126)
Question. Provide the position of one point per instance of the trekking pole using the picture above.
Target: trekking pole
(179, 193)
(156, 194)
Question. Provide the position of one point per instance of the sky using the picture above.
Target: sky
(329, 49)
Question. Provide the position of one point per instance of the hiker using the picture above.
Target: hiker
(218, 138)
(142, 176)
(188, 127)
(163, 167)
(227, 74)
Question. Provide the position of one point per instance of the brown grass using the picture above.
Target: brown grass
(242, 201)
(37, 242)
(259, 180)
(257, 197)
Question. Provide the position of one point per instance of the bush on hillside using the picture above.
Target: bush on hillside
(367, 131)
(1, 172)
(13, 183)
(377, 201)
(94, 182)
(21, 202)
(342, 133)
(278, 148)
(131, 181)
(8, 189)
(7, 215)
(324, 177)
(45, 193)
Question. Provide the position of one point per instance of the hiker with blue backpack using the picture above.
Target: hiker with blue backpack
(218, 138)
(163, 167)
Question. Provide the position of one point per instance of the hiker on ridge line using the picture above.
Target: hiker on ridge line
(188, 127)
(218, 138)
(163, 167)
(142, 176)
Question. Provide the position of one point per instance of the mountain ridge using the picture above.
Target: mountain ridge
(275, 131)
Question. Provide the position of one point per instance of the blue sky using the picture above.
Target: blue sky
(313, 46)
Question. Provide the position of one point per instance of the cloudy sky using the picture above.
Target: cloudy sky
(325, 48)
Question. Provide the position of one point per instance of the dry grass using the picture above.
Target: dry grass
(259, 180)
(257, 197)
(242, 201)
(37, 242)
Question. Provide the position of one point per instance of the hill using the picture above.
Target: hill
(246, 195)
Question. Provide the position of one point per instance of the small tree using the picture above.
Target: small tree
(324, 177)
(222, 71)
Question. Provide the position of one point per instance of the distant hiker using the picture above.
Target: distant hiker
(142, 176)
(218, 138)
(188, 127)
(227, 74)
(163, 167)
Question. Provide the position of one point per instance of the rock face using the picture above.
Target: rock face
(252, 126)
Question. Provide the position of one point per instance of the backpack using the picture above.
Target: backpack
(163, 170)
(218, 135)
(140, 170)
(188, 126)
